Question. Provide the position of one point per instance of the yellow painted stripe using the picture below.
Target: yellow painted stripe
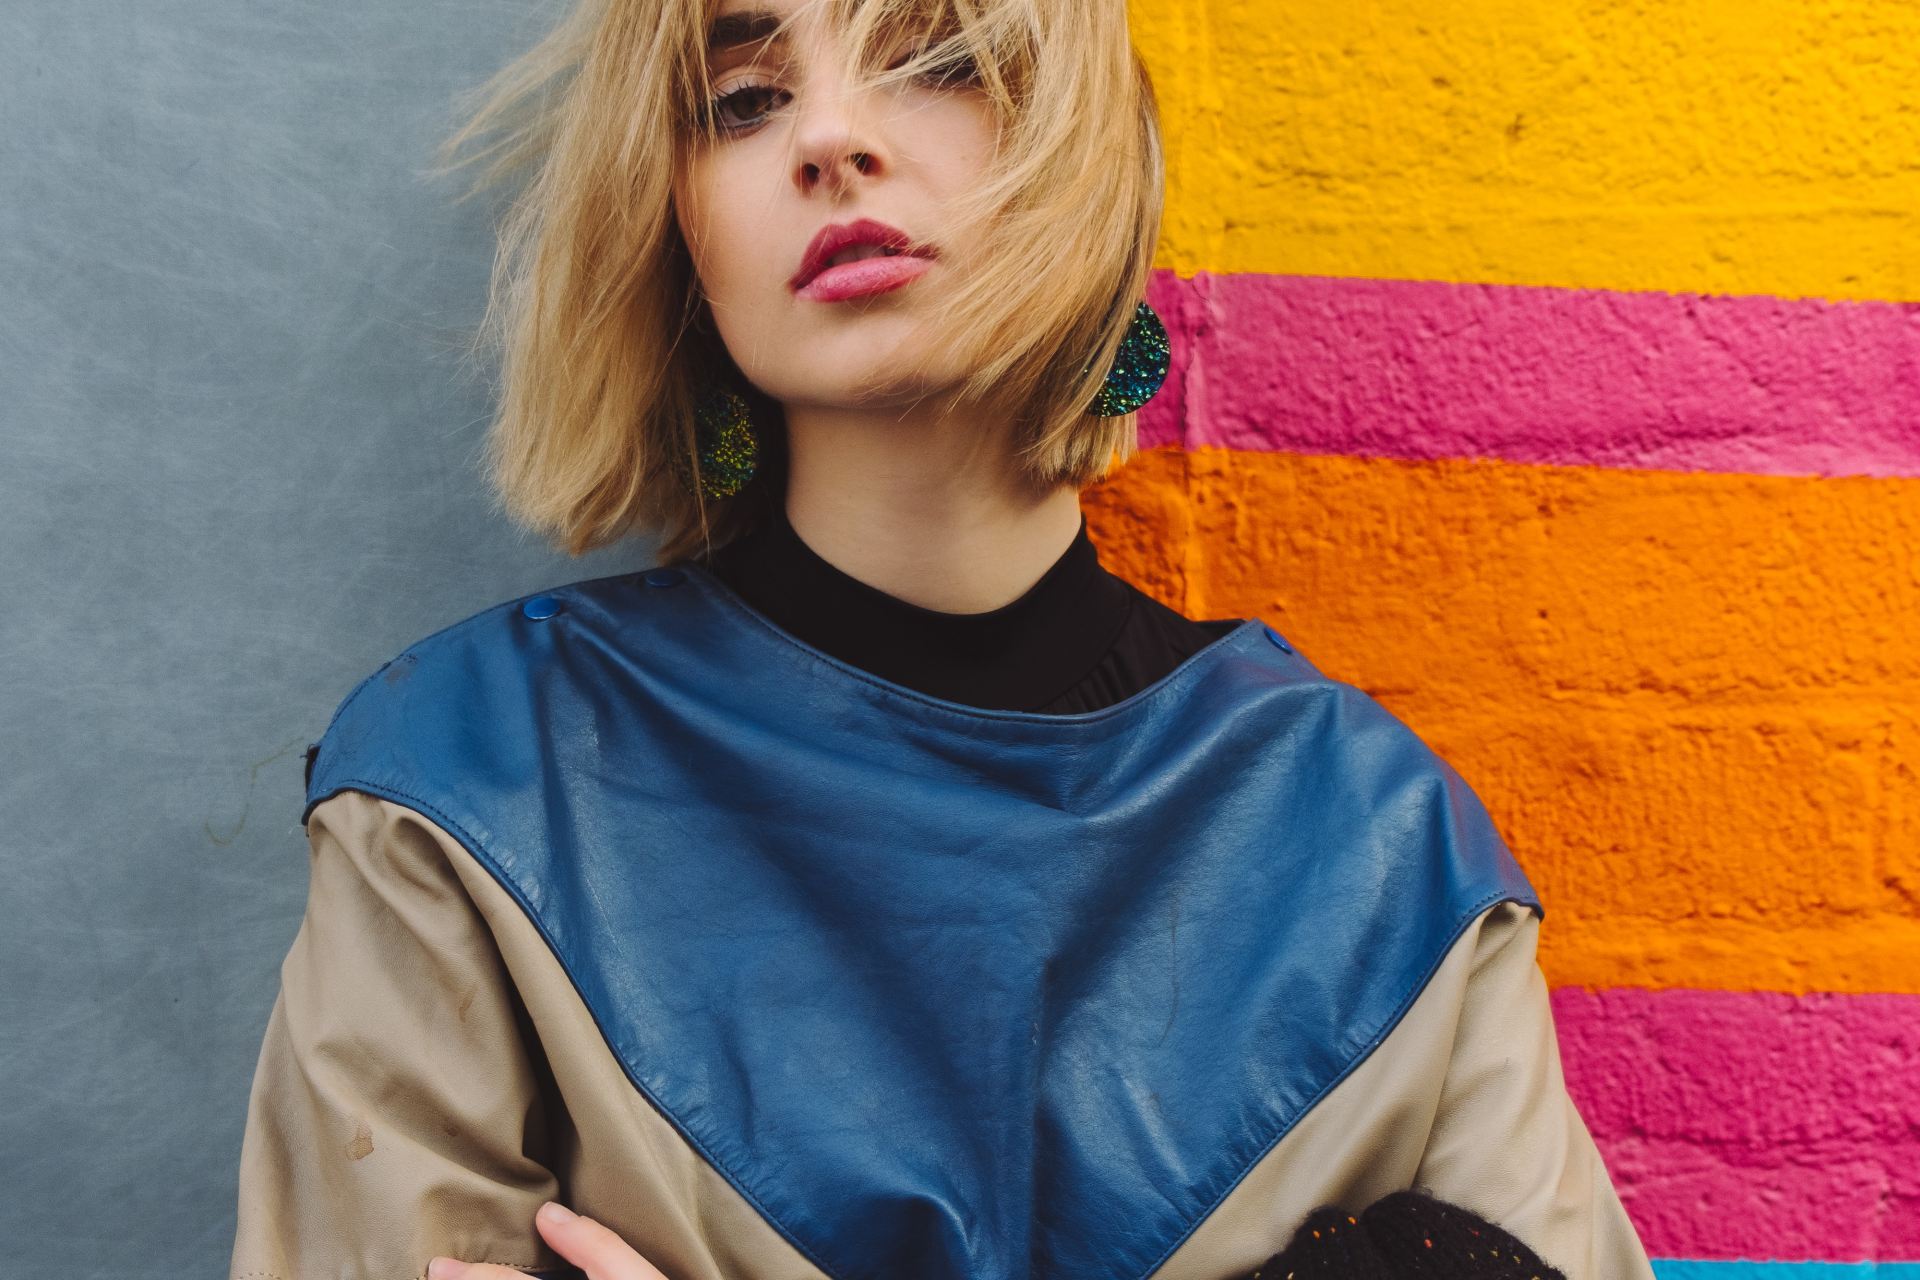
(1690, 700)
(1715, 146)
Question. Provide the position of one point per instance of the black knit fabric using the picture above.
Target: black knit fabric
(1427, 1239)
(1330, 1245)
(1405, 1236)
(1080, 639)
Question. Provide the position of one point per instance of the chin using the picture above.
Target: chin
(836, 372)
(827, 392)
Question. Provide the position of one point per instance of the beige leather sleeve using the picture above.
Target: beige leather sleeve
(1507, 1141)
(396, 1109)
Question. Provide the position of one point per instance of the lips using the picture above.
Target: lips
(900, 261)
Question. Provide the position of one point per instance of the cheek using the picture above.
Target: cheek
(722, 229)
(959, 137)
(701, 205)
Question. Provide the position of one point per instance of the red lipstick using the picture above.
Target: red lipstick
(878, 257)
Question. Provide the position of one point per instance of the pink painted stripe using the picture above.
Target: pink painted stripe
(1753, 1124)
(1408, 369)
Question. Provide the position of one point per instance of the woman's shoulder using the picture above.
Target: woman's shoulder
(470, 694)
(513, 627)
(1341, 762)
(1406, 786)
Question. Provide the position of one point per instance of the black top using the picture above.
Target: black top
(1079, 639)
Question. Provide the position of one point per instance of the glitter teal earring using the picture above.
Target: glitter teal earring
(724, 440)
(1139, 367)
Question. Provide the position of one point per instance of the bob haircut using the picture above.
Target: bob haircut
(594, 311)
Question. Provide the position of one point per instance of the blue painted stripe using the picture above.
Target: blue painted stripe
(1688, 1269)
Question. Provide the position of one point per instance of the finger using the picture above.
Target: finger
(592, 1246)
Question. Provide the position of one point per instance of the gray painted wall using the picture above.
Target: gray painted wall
(238, 470)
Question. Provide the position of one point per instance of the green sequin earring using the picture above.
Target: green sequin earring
(724, 439)
(1139, 367)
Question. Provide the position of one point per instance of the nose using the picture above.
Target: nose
(833, 169)
(833, 146)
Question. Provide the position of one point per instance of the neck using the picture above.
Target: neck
(925, 505)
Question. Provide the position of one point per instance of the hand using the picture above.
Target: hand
(588, 1245)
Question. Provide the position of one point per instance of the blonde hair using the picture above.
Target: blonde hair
(594, 311)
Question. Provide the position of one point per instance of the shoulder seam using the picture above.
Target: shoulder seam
(511, 886)
(412, 648)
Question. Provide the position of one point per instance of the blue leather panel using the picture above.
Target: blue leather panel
(946, 993)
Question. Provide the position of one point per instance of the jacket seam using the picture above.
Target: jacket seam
(1468, 916)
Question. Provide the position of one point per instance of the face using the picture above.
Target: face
(798, 149)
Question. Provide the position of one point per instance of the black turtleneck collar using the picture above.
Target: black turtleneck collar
(1019, 656)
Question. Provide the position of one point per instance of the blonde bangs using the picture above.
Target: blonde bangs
(592, 307)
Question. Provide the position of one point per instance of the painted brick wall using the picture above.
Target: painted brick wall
(1551, 370)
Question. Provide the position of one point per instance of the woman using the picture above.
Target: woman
(878, 887)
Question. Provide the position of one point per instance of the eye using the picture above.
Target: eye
(748, 105)
(733, 111)
(951, 70)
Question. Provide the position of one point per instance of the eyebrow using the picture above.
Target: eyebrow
(746, 26)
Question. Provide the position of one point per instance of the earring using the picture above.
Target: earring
(1139, 367)
(725, 443)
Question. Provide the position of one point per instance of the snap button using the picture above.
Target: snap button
(540, 607)
(664, 577)
(1279, 643)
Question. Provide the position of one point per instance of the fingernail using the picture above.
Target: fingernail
(446, 1269)
(554, 1213)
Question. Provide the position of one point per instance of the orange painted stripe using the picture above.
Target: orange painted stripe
(1690, 700)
